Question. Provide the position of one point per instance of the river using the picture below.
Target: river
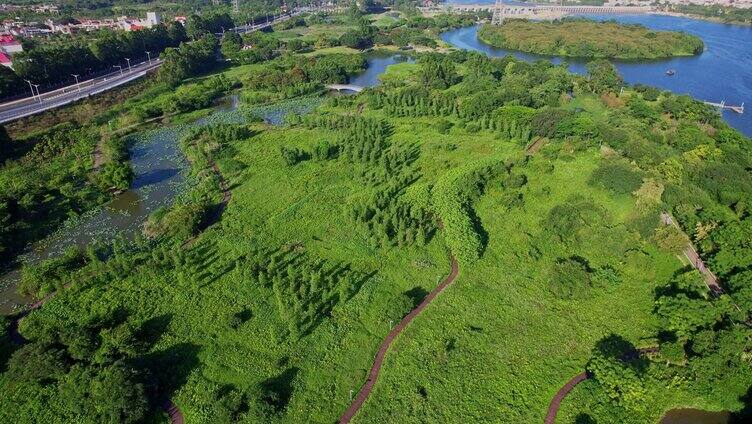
(722, 72)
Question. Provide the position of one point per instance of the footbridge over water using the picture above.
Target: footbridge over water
(345, 87)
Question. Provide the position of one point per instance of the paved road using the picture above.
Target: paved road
(29, 106)
(53, 99)
(374, 374)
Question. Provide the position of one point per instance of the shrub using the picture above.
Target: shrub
(451, 196)
(41, 279)
(570, 278)
(616, 177)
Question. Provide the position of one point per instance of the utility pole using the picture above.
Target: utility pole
(39, 96)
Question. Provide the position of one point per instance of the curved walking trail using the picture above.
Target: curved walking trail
(176, 417)
(374, 373)
(553, 408)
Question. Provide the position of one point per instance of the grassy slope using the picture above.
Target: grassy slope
(498, 345)
(499, 309)
(495, 347)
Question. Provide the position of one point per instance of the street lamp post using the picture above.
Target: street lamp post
(77, 83)
(31, 87)
(148, 54)
(129, 63)
(39, 96)
(119, 67)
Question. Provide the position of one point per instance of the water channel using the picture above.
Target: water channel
(160, 175)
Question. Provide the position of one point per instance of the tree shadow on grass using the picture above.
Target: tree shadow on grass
(745, 414)
(152, 329)
(478, 227)
(277, 391)
(584, 419)
(416, 295)
(172, 366)
(615, 346)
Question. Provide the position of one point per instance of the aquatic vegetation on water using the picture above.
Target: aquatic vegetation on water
(276, 113)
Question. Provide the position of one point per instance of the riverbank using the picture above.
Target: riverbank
(718, 14)
(728, 52)
(587, 39)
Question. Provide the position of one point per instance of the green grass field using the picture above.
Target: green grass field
(274, 313)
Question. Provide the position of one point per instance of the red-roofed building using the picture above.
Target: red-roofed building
(9, 45)
(5, 60)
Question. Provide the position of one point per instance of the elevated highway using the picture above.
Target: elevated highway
(32, 105)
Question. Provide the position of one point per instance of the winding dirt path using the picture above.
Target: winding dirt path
(176, 416)
(365, 391)
(553, 408)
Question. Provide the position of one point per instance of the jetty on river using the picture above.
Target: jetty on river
(723, 105)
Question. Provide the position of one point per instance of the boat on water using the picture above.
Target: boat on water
(670, 72)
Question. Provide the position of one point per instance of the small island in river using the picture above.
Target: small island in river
(588, 39)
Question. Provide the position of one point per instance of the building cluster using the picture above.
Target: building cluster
(122, 23)
(36, 8)
(11, 30)
(50, 26)
(8, 46)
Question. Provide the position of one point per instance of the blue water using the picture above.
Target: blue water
(722, 72)
(377, 64)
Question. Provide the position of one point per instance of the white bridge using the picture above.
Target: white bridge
(345, 87)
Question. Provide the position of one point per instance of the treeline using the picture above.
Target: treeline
(388, 215)
(103, 356)
(56, 63)
(391, 218)
(305, 289)
(188, 60)
(298, 75)
(297, 70)
(728, 14)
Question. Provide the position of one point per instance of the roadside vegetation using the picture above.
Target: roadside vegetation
(263, 293)
(587, 39)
